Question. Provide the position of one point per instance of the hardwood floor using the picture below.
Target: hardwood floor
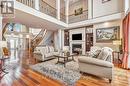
(20, 75)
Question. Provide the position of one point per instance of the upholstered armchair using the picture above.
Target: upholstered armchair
(101, 65)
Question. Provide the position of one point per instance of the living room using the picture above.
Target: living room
(66, 43)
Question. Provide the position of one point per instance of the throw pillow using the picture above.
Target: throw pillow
(103, 55)
(95, 53)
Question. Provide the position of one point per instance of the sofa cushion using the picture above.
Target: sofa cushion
(48, 54)
(94, 61)
(55, 53)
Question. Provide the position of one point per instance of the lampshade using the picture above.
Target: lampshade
(117, 42)
(66, 48)
(3, 44)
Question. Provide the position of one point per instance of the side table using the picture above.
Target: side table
(118, 57)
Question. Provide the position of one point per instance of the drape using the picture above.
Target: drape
(126, 37)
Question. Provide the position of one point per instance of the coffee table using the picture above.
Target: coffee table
(64, 58)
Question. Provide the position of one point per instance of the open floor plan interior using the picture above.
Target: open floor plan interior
(64, 42)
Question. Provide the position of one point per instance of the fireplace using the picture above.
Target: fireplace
(77, 48)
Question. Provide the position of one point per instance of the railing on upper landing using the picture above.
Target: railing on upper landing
(62, 17)
(30, 3)
(79, 17)
(47, 9)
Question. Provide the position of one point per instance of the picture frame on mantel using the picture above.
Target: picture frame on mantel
(108, 34)
(104, 1)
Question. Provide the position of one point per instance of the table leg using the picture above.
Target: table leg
(73, 58)
(57, 61)
(119, 61)
(64, 61)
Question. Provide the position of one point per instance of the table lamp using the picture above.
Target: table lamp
(2, 44)
(117, 43)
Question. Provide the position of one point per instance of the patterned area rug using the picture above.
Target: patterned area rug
(67, 75)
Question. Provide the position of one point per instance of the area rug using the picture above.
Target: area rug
(68, 75)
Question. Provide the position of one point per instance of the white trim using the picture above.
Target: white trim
(58, 9)
(37, 5)
(0, 28)
(129, 51)
(67, 11)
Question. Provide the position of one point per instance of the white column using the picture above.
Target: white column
(60, 38)
(56, 40)
(67, 11)
(37, 7)
(0, 28)
(58, 8)
(90, 9)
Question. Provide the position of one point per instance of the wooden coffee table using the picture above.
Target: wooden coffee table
(64, 59)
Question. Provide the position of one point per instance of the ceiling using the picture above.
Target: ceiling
(32, 21)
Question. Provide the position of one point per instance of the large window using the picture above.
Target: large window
(127, 5)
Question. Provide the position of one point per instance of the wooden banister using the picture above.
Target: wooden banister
(35, 42)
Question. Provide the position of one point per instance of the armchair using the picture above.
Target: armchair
(101, 66)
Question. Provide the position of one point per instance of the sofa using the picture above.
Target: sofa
(45, 53)
(101, 65)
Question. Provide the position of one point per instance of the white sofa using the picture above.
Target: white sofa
(101, 66)
(45, 53)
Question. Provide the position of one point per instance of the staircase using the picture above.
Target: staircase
(36, 41)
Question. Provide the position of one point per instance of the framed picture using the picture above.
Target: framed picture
(78, 11)
(104, 1)
(108, 34)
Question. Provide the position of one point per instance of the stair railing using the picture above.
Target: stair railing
(36, 40)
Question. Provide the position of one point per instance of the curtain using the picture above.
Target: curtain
(126, 30)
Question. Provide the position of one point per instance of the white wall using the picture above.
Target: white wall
(34, 31)
(127, 6)
(48, 38)
(104, 25)
(110, 7)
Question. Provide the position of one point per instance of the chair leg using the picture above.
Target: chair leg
(110, 80)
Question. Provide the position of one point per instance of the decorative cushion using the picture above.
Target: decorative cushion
(95, 54)
(104, 54)
(94, 48)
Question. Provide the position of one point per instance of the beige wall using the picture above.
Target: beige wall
(80, 4)
(104, 25)
(101, 9)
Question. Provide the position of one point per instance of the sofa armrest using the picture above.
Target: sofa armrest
(94, 61)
